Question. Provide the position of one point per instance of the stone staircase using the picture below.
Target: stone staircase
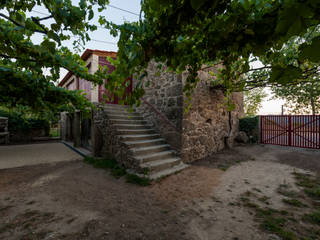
(146, 146)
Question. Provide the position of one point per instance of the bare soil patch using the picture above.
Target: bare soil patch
(73, 200)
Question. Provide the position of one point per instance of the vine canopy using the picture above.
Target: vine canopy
(183, 34)
(188, 34)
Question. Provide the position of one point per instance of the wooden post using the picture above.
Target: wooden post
(76, 129)
(96, 138)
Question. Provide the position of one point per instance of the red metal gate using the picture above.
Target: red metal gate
(296, 131)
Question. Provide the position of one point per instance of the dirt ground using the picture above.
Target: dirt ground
(73, 200)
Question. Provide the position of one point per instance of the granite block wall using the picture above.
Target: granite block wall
(208, 127)
(162, 104)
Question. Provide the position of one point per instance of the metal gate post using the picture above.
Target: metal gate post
(260, 129)
(289, 130)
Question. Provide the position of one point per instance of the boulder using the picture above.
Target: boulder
(242, 137)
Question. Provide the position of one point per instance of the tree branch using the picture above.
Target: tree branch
(18, 24)
(254, 69)
(37, 21)
(44, 18)
(11, 20)
(204, 68)
(14, 57)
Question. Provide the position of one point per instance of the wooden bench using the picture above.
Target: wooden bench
(4, 129)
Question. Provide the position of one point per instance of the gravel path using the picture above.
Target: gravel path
(32, 154)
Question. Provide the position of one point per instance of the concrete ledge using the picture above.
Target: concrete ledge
(81, 151)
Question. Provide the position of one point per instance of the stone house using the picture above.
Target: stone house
(158, 137)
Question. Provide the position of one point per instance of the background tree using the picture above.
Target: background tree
(301, 98)
(302, 94)
(23, 62)
(253, 101)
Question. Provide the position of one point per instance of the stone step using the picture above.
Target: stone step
(145, 143)
(146, 146)
(131, 126)
(124, 121)
(135, 131)
(138, 137)
(125, 113)
(116, 106)
(160, 165)
(168, 171)
(156, 156)
(114, 117)
(150, 149)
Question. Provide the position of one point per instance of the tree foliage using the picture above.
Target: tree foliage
(253, 101)
(302, 94)
(183, 34)
(186, 34)
(301, 98)
(23, 63)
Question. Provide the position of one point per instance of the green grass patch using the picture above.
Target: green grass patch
(305, 180)
(294, 202)
(107, 163)
(133, 178)
(276, 225)
(223, 167)
(312, 218)
(283, 189)
(310, 184)
(264, 199)
(116, 170)
(272, 220)
(313, 192)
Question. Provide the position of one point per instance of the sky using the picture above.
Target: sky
(102, 40)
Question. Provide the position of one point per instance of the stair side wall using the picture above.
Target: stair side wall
(107, 142)
(163, 90)
(208, 127)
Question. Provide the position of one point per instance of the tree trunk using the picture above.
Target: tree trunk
(312, 100)
(313, 106)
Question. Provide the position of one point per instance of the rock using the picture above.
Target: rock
(274, 237)
(242, 137)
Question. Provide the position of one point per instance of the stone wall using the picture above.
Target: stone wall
(106, 141)
(4, 134)
(3, 124)
(205, 129)
(163, 93)
(208, 127)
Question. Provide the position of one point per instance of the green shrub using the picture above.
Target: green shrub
(249, 125)
(19, 123)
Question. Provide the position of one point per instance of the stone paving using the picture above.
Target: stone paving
(32, 154)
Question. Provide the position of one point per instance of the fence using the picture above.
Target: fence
(286, 130)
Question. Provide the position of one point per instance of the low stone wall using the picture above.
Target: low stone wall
(163, 92)
(4, 135)
(20, 137)
(208, 127)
